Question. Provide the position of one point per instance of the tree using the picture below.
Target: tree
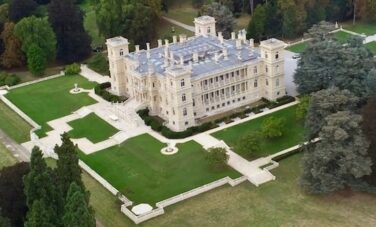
(109, 17)
(67, 170)
(36, 31)
(39, 215)
(302, 107)
(249, 144)
(36, 61)
(217, 158)
(12, 55)
(293, 17)
(320, 32)
(370, 10)
(12, 197)
(371, 81)
(223, 16)
(325, 103)
(77, 211)
(328, 63)
(19, 9)
(272, 127)
(42, 196)
(73, 42)
(256, 26)
(340, 159)
(4, 221)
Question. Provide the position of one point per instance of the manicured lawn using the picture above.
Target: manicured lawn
(292, 133)
(368, 29)
(372, 47)
(13, 125)
(49, 100)
(92, 127)
(143, 174)
(6, 158)
(298, 48)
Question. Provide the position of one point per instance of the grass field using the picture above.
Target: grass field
(6, 158)
(342, 37)
(143, 174)
(49, 100)
(298, 48)
(372, 47)
(13, 125)
(92, 127)
(165, 30)
(362, 28)
(292, 133)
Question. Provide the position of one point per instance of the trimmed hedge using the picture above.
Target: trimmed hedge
(8, 79)
(101, 90)
(158, 126)
(72, 69)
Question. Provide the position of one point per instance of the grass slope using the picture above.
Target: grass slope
(372, 47)
(49, 100)
(92, 127)
(143, 174)
(13, 125)
(292, 134)
(367, 29)
(6, 158)
(298, 48)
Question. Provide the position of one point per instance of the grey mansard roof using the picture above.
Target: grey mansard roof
(206, 47)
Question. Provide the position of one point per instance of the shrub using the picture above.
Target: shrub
(249, 144)
(8, 79)
(217, 158)
(72, 69)
(100, 90)
(272, 127)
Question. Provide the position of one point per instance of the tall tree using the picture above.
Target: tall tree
(77, 211)
(293, 17)
(36, 31)
(12, 197)
(256, 26)
(73, 42)
(324, 103)
(249, 145)
(329, 63)
(36, 61)
(19, 9)
(12, 55)
(109, 17)
(68, 170)
(340, 159)
(40, 191)
(223, 16)
(370, 10)
(4, 221)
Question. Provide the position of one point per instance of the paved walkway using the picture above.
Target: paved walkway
(17, 150)
(175, 22)
(93, 76)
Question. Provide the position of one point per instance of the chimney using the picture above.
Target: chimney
(182, 38)
(148, 46)
(225, 54)
(216, 57)
(166, 42)
(137, 48)
(166, 56)
(238, 44)
(252, 43)
(160, 43)
(233, 36)
(181, 60)
(195, 57)
(175, 39)
(239, 55)
(220, 37)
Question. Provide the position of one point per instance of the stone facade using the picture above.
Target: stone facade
(196, 77)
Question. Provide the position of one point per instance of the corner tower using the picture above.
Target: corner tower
(117, 48)
(205, 25)
(271, 51)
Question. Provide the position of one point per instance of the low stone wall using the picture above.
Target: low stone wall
(141, 218)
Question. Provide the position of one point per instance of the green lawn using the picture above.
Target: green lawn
(372, 47)
(49, 100)
(298, 48)
(6, 158)
(368, 29)
(183, 11)
(292, 133)
(342, 37)
(166, 30)
(92, 127)
(143, 174)
(13, 125)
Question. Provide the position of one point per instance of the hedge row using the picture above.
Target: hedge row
(8, 79)
(101, 90)
(158, 126)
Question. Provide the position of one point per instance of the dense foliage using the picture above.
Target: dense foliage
(217, 158)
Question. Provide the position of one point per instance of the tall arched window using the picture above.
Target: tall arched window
(182, 83)
(185, 112)
(255, 83)
(277, 55)
(183, 98)
(121, 52)
(266, 82)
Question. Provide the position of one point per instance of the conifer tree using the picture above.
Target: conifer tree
(77, 211)
(73, 42)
